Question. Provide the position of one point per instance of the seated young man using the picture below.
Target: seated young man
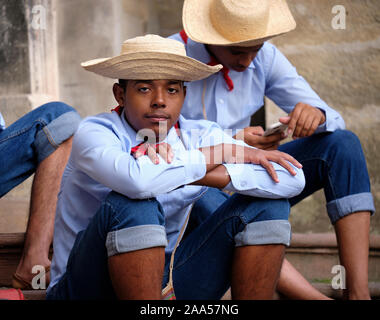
(332, 158)
(38, 143)
(119, 218)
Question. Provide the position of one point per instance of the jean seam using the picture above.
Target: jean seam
(17, 133)
(114, 216)
(49, 137)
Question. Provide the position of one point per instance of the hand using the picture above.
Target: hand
(262, 157)
(152, 151)
(232, 153)
(254, 137)
(303, 120)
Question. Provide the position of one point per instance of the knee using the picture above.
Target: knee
(278, 209)
(128, 212)
(261, 209)
(269, 226)
(55, 109)
(344, 144)
(134, 224)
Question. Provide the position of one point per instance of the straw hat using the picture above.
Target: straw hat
(236, 22)
(151, 57)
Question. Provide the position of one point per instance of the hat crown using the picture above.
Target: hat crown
(239, 20)
(152, 43)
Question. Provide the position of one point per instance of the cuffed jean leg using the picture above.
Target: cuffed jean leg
(335, 162)
(203, 260)
(32, 138)
(120, 225)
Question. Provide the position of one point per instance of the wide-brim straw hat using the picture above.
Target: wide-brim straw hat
(151, 57)
(236, 22)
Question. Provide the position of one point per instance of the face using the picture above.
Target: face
(149, 103)
(235, 58)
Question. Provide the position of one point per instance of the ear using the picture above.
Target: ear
(118, 93)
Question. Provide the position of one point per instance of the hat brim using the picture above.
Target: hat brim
(197, 24)
(151, 66)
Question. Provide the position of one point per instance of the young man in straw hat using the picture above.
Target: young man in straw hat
(38, 143)
(234, 33)
(119, 218)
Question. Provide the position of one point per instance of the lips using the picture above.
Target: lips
(157, 117)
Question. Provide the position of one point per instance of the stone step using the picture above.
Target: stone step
(313, 255)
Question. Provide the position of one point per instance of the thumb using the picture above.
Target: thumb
(258, 130)
(284, 120)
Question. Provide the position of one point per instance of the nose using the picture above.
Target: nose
(158, 99)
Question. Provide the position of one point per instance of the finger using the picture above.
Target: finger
(252, 140)
(294, 115)
(273, 138)
(140, 151)
(292, 160)
(270, 169)
(284, 120)
(152, 154)
(285, 164)
(170, 152)
(163, 151)
(307, 126)
(300, 124)
(257, 130)
(313, 127)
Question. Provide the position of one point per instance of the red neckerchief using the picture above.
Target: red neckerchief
(213, 62)
(144, 149)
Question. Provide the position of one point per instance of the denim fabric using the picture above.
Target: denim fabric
(202, 262)
(335, 162)
(29, 140)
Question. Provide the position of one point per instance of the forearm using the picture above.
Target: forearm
(216, 178)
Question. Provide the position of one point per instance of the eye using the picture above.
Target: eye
(173, 90)
(235, 53)
(143, 89)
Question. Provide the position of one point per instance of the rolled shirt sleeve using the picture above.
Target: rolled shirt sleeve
(253, 179)
(101, 153)
(287, 88)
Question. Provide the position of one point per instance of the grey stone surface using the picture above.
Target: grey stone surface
(341, 65)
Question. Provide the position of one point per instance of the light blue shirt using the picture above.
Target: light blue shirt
(269, 74)
(100, 161)
(2, 123)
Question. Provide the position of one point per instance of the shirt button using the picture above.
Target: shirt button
(221, 101)
(243, 183)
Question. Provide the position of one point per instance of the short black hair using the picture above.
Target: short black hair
(123, 83)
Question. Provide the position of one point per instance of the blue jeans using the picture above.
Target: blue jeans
(32, 138)
(203, 259)
(333, 161)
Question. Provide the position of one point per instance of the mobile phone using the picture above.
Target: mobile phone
(275, 128)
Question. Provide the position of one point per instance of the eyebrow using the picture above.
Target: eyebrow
(253, 49)
(136, 82)
(170, 82)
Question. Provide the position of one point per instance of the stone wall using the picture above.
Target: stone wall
(342, 65)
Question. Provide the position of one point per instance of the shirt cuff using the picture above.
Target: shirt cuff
(332, 123)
